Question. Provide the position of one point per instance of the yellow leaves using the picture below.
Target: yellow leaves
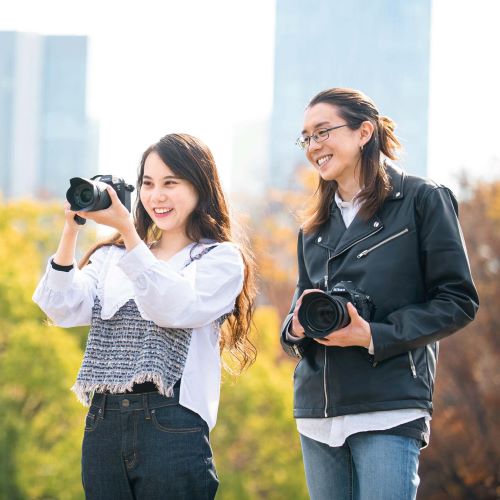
(41, 420)
(255, 441)
(491, 194)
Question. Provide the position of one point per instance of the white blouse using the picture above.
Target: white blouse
(167, 293)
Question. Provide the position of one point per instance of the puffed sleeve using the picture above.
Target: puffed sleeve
(203, 292)
(67, 298)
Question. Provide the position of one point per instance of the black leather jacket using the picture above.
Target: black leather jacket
(410, 258)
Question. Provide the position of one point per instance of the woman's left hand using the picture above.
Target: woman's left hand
(115, 216)
(357, 332)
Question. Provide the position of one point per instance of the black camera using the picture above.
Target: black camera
(90, 195)
(321, 313)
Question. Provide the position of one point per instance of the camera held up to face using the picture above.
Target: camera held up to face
(90, 195)
(321, 313)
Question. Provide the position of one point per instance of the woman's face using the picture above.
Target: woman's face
(337, 157)
(168, 199)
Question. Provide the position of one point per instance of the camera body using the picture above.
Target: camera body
(321, 313)
(90, 195)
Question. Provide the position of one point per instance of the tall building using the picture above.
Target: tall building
(381, 47)
(45, 134)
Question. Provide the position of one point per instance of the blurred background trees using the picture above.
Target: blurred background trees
(256, 445)
(463, 459)
(40, 419)
(255, 441)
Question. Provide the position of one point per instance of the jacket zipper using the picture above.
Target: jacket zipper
(412, 365)
(324, 385)
(355, 243)
(368, 250)
(324, 372)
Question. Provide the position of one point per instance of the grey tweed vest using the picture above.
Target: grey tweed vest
(128, 349)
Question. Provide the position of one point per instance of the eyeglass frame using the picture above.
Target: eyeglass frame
(313, 136)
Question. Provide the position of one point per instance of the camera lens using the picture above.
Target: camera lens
(321, 313)
(83, 195)
(88, 195)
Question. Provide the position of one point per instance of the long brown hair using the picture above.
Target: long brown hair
(355, 108)
(192, 160)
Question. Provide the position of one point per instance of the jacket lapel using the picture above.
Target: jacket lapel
(330, 235)
(358, 231)
(338, 239)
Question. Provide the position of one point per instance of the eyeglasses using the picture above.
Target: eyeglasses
(320, 135)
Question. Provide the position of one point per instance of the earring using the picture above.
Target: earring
(361, 149)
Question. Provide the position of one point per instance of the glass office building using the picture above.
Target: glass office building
(45, 134)
(381, 47)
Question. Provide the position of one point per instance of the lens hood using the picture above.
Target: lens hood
(87, 195)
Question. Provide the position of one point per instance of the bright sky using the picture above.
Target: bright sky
(200, 66)
(464, 117)
(164, 66)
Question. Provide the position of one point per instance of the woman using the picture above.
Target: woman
(155, 296)
(363, 392)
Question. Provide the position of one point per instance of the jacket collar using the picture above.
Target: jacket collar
(396, 180)
(338, 239)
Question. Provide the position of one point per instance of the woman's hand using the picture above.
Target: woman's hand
(297, 329)
(357, 332)
(115, 216)
(70, 225)
(65, 253)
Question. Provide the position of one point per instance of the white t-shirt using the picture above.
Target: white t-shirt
(167, 293)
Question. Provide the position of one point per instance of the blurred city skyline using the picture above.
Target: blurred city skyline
(45, 133)
(388, 59)
(207, 69)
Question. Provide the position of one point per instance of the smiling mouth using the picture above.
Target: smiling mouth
(162, 212)
(321, 161)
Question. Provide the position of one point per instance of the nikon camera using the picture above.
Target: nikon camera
(321, 313)
(90, 195)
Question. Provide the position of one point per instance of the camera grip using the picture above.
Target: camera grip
(79, 220)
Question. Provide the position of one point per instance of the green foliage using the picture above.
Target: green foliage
(255, 441)
(42, 423)
(256, 444)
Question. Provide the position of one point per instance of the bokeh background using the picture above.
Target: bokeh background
(85, 87)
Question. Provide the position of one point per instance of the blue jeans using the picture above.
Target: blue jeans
(146, 447)
(368, 466)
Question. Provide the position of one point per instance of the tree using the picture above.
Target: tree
(274, 228)
(42, 423)
(463, 459)
(256, 444)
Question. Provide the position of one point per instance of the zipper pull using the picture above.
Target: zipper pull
(326, 281)
(412, 365)
(362, 254)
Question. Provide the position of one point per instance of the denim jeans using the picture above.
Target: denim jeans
(146, 447)
(368, 466)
